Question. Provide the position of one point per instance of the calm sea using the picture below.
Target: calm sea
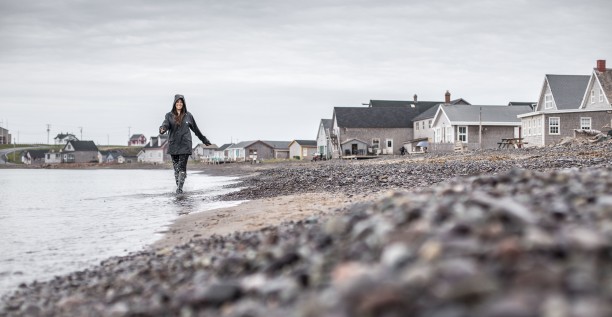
(54, 222)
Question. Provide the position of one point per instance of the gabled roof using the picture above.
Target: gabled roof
(37, 154)
(241, 145)
(224, 146)
(136, 136)
(212, 146)
(278, 144)
(64, 135)
(327, 123)
(567, 90)
(376, 117)
(87, 146)
(306, 142)
(487, 114)
(605, 79)
(158, 142)
(427, 114)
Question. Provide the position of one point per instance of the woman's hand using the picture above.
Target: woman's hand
(162, 130)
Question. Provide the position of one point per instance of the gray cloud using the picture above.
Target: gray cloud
(273, 69)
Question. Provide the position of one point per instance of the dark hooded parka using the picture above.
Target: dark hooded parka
(179, 135)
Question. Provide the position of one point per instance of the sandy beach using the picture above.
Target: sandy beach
(254, 215)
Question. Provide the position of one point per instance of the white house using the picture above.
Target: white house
(324, 146)
(156, 150)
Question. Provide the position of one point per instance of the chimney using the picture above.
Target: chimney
(601, 65)
(447, 97)
(415, 98)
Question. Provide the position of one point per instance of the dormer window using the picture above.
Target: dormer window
(593, 96)
(548, 102)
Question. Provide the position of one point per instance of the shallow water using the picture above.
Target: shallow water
(54, 222)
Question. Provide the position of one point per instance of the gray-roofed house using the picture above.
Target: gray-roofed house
(324, 146)
(80, 152)
(370, 130)
(221, 153)
(381, 128)
(204, 153)
(421, 124)
(63, 138)
(137, 140)
(569, 103)
(462, 123)
(302, 149)
(258, 150)
(111, 157)
(155, 151)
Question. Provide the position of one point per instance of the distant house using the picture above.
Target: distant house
(324, 146)
(204, 152)
(110, 157)
(568, 103)
(80, 152)
(5, 136)
(302, 149)
(53, 157)
(221, 154)
(155, 151)
(63, 138)
(422, 123)
(258, 150)
(33, 156)
(475, 126)
(375, 130)
(137, 140)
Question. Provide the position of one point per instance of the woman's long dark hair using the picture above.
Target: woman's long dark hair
(178, 119)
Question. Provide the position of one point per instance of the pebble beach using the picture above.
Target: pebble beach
(518, 232)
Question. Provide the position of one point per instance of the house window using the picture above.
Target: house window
(601, 95)
(430, 124)
(462, 134)
(548, 104)
(593, 96)
(416, 126)
(423, 125)
(449, 134)
(375, 143)
(389, 143)
(553, 125)
(585, 123)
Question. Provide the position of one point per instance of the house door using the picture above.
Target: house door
(354, 148)
(517, 132)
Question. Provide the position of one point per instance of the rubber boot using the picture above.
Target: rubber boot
(181, 180)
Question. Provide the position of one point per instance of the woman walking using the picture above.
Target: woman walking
(178, 123)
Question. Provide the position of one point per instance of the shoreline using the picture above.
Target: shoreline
(253, 215)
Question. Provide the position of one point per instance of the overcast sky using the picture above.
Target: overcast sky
(271, 70)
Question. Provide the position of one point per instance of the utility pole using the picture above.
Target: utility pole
(81, 128)
(48, 130)
(480, 127)
(107, 140)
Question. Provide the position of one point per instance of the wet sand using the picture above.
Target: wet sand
(254, 215)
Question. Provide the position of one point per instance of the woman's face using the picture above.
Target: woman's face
(179, 105)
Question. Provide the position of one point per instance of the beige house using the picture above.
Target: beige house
(302, 149)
